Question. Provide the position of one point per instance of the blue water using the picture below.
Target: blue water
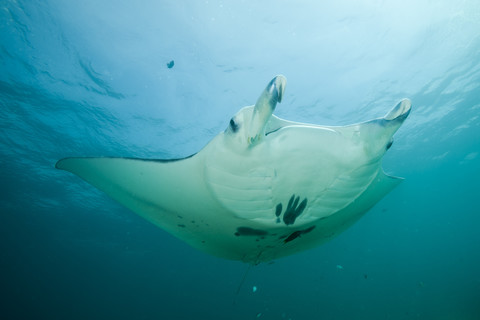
(90, 78)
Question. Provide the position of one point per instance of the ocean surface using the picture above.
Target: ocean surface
(92, 78)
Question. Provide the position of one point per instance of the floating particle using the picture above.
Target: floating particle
(254, 289)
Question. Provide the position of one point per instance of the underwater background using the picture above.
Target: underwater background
(95, 78)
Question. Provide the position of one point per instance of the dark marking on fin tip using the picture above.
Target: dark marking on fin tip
(389, 144)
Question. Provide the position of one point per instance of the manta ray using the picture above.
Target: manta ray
(262, 189)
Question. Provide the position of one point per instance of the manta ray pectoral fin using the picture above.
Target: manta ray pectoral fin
(381, 185)
(153, 189)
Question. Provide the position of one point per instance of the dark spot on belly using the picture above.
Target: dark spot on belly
(246, 231)
(292, 212)
(309, 229)
(294, 209)
(278, 210)
(294, 235)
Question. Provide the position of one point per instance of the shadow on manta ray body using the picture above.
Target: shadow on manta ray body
(262, 189)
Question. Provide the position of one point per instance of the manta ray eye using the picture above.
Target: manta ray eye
(233, 125)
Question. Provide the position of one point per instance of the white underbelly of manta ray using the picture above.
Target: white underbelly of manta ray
(262, 189)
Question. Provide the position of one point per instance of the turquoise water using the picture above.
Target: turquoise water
(90, 78)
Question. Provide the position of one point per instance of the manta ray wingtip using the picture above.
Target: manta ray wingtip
(400, 111)
(59, 163)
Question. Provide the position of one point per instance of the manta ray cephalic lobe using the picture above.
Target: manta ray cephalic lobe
(262, 189)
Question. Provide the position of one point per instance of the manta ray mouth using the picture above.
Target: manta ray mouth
(273, 131)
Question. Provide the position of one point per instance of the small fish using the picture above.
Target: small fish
(170, 64)
(259, 315)
(339, 267)
(254, 289)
